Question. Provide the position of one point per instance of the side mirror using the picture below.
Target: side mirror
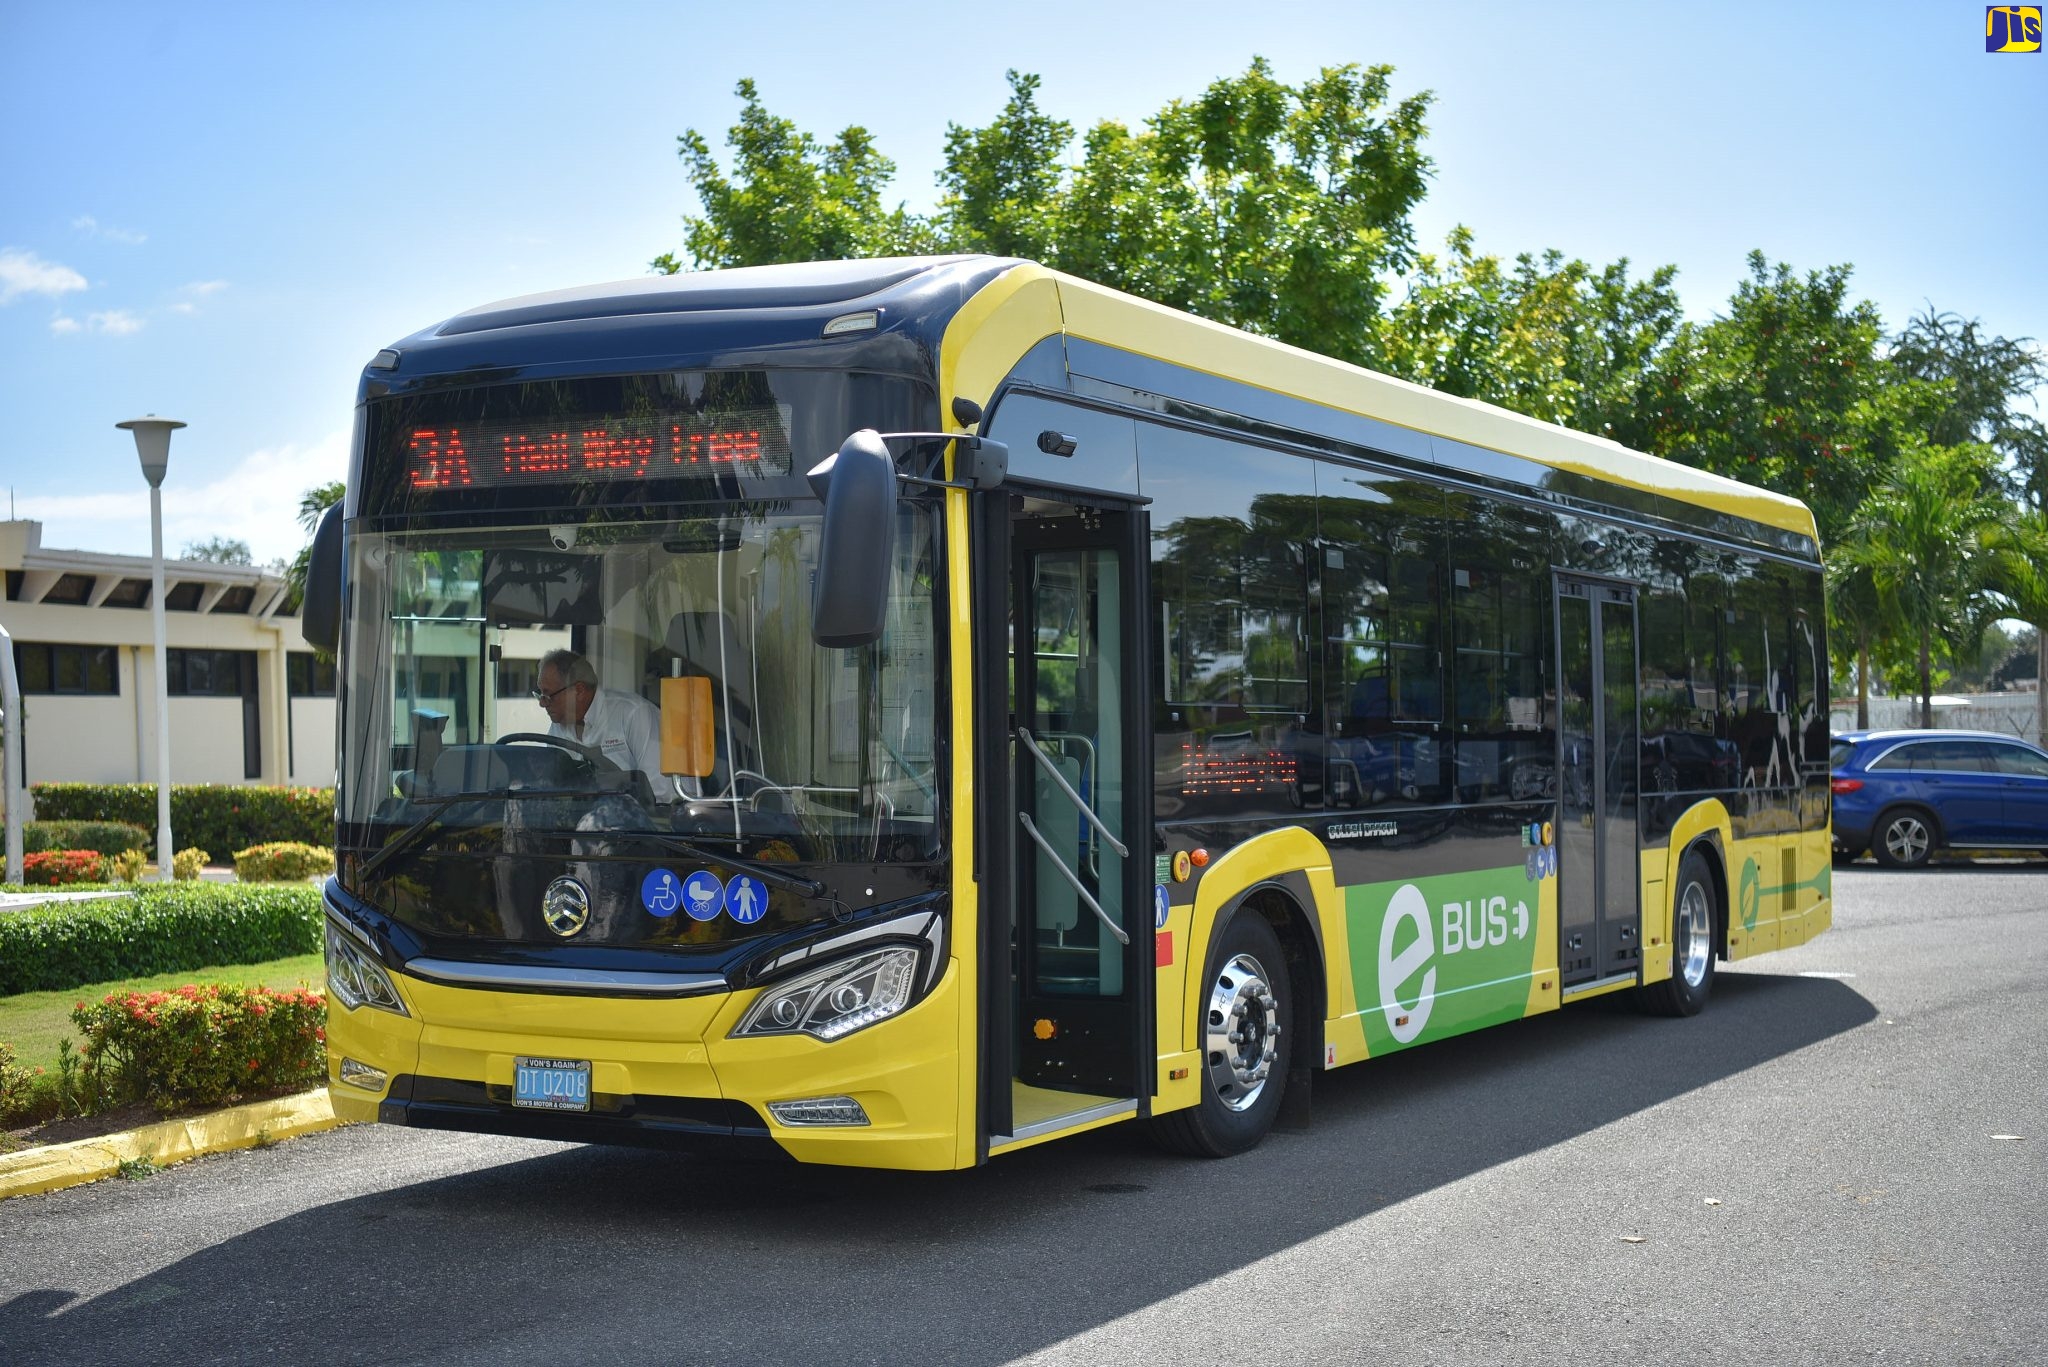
(850, 596)
(320, 614)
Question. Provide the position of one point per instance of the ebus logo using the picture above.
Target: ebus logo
(2012, 28)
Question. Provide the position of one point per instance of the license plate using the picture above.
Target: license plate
(551, 1084)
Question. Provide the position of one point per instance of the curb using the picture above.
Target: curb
(56, 1166)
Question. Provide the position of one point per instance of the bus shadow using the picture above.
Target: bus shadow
(591, 1253)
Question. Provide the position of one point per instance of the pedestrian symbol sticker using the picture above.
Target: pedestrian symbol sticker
(661, 892)
(703, 895)
(1159, 906)
(746, 899)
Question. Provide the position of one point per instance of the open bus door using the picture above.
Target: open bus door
(1067, 905)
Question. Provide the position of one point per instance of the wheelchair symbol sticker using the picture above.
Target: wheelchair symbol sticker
(703, 895)
(746, 899)
(661, 892)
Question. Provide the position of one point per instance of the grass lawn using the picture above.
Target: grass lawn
(33, 1022)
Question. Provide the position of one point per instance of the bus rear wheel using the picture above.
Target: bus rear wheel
(1247, 1040)
(1694, 912)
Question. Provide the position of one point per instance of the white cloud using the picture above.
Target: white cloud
(23, 272)
(115, 323)
(64, 326)
(256, 501)
(199, 289)
(90, 226)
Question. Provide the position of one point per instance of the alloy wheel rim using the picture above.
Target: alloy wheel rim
(1696, 924)
(1243, 1033)
(1906, 839)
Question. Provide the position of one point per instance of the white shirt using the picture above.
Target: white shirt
(626, 729)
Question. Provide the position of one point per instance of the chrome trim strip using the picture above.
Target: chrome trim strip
(584, 982)
(1061, 1122)
(912, 926)
(347, 923)
(1580, 989)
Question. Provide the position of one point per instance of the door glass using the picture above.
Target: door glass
(1577, 868)
(1076, 640)
(1621, 761)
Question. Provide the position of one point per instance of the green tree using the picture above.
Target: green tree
(313, 505)
(1856, 619)
(1986, 384)
(1928, 537)
(789, 198)
(2020, 578)
(1551, 338)
(220, 550)
(1276, 208)
(1784, 391)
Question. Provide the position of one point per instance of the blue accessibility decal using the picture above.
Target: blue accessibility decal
(661, 892)
(703, 895)
(1159, 906)
(746, 899)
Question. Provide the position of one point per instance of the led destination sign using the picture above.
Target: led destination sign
(477, 455)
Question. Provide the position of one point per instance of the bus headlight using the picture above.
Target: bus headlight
(837, 1000)
(356, 979)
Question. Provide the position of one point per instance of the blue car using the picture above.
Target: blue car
(1904, 794)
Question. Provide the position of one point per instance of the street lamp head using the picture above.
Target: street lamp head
(152, 444)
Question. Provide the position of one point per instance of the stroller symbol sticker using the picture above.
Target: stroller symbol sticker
(703, 895)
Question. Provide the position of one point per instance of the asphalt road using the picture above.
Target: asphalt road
(1809, 1171)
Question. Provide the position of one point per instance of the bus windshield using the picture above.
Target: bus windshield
(559, 689)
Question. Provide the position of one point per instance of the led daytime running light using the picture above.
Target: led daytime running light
(837, 1000)
(355, 980)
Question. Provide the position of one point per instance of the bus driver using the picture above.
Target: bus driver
(623, 727)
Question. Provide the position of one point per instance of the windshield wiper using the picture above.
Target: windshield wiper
(796, 882)
(438, 805)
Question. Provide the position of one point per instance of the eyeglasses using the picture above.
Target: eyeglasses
(546, 696)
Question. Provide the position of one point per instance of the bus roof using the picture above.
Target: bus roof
(922, 295)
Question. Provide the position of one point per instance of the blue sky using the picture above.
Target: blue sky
(219, 212)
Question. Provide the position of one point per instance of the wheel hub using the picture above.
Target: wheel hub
(1243, 1032)
(1696, 929)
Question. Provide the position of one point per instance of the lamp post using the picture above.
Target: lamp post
(153, 445)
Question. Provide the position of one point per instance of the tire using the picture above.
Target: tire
(1696, 912)
(1904, 838)
(1245, 984)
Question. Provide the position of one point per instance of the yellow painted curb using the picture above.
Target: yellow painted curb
(88, 1160)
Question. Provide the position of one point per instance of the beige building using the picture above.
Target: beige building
(249, 702)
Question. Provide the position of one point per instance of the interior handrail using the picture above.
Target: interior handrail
(1052, 772)
(1073, 878)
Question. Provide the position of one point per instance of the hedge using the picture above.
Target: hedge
(218, 817)
(203, 1046)
(101, 837)
(282, 861)
(159, 929)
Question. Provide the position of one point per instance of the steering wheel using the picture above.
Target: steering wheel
(575, 747)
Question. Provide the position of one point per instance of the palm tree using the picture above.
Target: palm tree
(1926, 538)
(1854, 614)
(2020, 577)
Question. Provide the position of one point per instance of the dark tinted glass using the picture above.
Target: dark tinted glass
(2013, 759)
(33, 669)
(1383, 586)
(1500, 661)
(1233, 529)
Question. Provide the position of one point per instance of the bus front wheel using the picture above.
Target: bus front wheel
(1247, 1039)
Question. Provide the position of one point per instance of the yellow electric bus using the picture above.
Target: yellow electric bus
(999, 707)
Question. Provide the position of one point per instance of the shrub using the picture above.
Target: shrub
(127, 866)
(186, 864)
(210, 816)
(54, 868)
(16, 1082)
(102, 837)
(282, 861)
(204, 1046)
(158, 928)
